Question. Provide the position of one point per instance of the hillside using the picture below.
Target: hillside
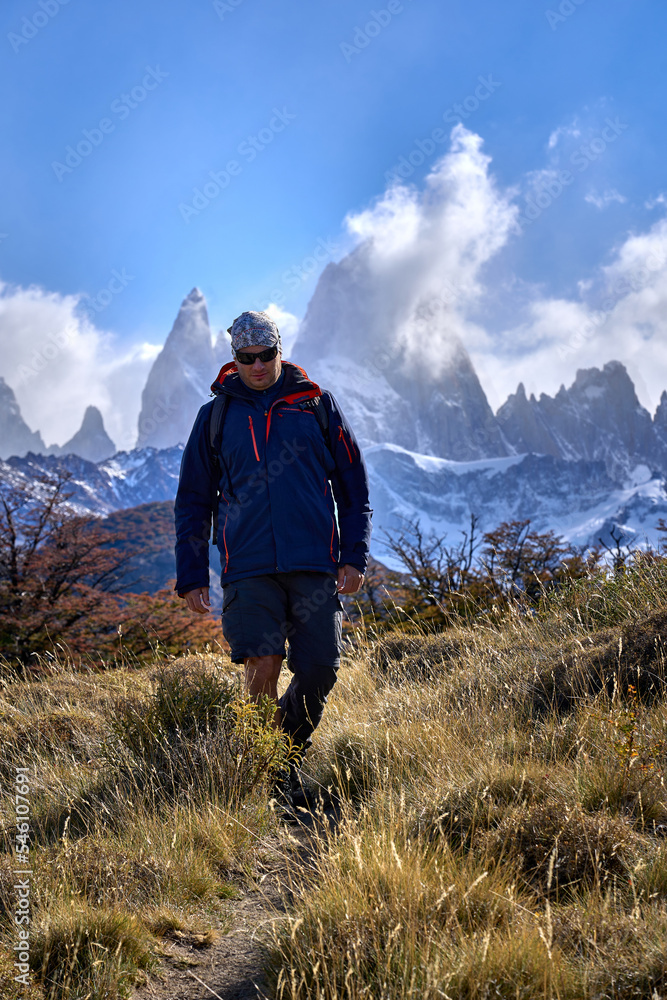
(147, 533)
(494, 818)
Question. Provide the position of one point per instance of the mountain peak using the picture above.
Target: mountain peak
(363, 337)
(519, 419)
(191, 330)
(598, 418)
(179, 380)
(91, 441)
(93, 422)
(16, 438)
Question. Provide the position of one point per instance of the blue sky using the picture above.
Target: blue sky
(182, 87)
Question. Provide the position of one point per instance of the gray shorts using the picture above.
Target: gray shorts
(261, 613)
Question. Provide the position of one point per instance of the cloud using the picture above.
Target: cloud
(571, 131)
(58, 362)
(655, 202)
(415, 269)
(605, 199)
(417, 277)
(621, 315)
(288, 324)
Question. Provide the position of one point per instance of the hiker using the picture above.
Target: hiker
(267, 459)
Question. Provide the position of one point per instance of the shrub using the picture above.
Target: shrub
(563, 848)
(198, 731)
(612, 660)
(80, 951)
(404, 656)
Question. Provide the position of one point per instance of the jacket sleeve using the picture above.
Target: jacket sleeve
(349, 484)
(193, 507)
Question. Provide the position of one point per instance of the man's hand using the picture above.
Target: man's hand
(197, 600)
(349, 580)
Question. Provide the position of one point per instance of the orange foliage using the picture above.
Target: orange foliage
(60, 582)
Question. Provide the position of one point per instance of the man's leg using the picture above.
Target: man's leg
(254, 611)
(261, 678)
(315, 639)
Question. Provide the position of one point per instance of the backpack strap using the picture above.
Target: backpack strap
(317, 406)
(218, 414)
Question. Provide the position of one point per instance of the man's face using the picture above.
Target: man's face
(261, 374)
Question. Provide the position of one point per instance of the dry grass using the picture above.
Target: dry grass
(148, 811)
(504, 804)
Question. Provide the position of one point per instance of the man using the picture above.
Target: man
(279, 475)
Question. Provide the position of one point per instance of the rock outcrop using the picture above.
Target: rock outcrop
(598, 418)
(16, 438)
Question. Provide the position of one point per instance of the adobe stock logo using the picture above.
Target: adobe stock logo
(553, 186)
(219, 180)
(103, 297)
(408, 163)
(31, 26)
(566, 9)
(122, 106)
(221, 8)
(379, 19)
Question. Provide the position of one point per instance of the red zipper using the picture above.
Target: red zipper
(341, 437)
(333, 524)
(254, 443)
(224, 535)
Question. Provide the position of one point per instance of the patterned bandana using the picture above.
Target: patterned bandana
(252, 329)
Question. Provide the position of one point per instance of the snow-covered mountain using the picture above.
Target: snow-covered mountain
(354, 339)
(91, 441)
(126, 479)
(580, 462)
(16, 438)
(404, 378)
(180, 378)
(598, 418)
(578, 499)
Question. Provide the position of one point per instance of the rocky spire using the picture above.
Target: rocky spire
(91, 441)
(401, 372)
(180, 378)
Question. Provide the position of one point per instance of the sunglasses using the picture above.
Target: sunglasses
(249, 359)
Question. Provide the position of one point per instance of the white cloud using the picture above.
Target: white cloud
(420, 254)
(624, 319)
(571, 131)
(57, 362)
(605, 199)
(287, 323)
(654, 202)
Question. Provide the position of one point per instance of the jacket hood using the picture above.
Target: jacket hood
(296, 386)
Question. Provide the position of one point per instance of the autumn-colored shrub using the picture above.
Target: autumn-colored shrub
(63, 586)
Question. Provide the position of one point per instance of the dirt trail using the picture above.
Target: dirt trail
(231, 968)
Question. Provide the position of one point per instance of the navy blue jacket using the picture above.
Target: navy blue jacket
(277, 479)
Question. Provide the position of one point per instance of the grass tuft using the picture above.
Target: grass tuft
(80, 949)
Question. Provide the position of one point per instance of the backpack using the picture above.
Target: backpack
(218, 414)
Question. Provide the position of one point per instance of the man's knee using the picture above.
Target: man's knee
(261, 670)
(314, 679)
